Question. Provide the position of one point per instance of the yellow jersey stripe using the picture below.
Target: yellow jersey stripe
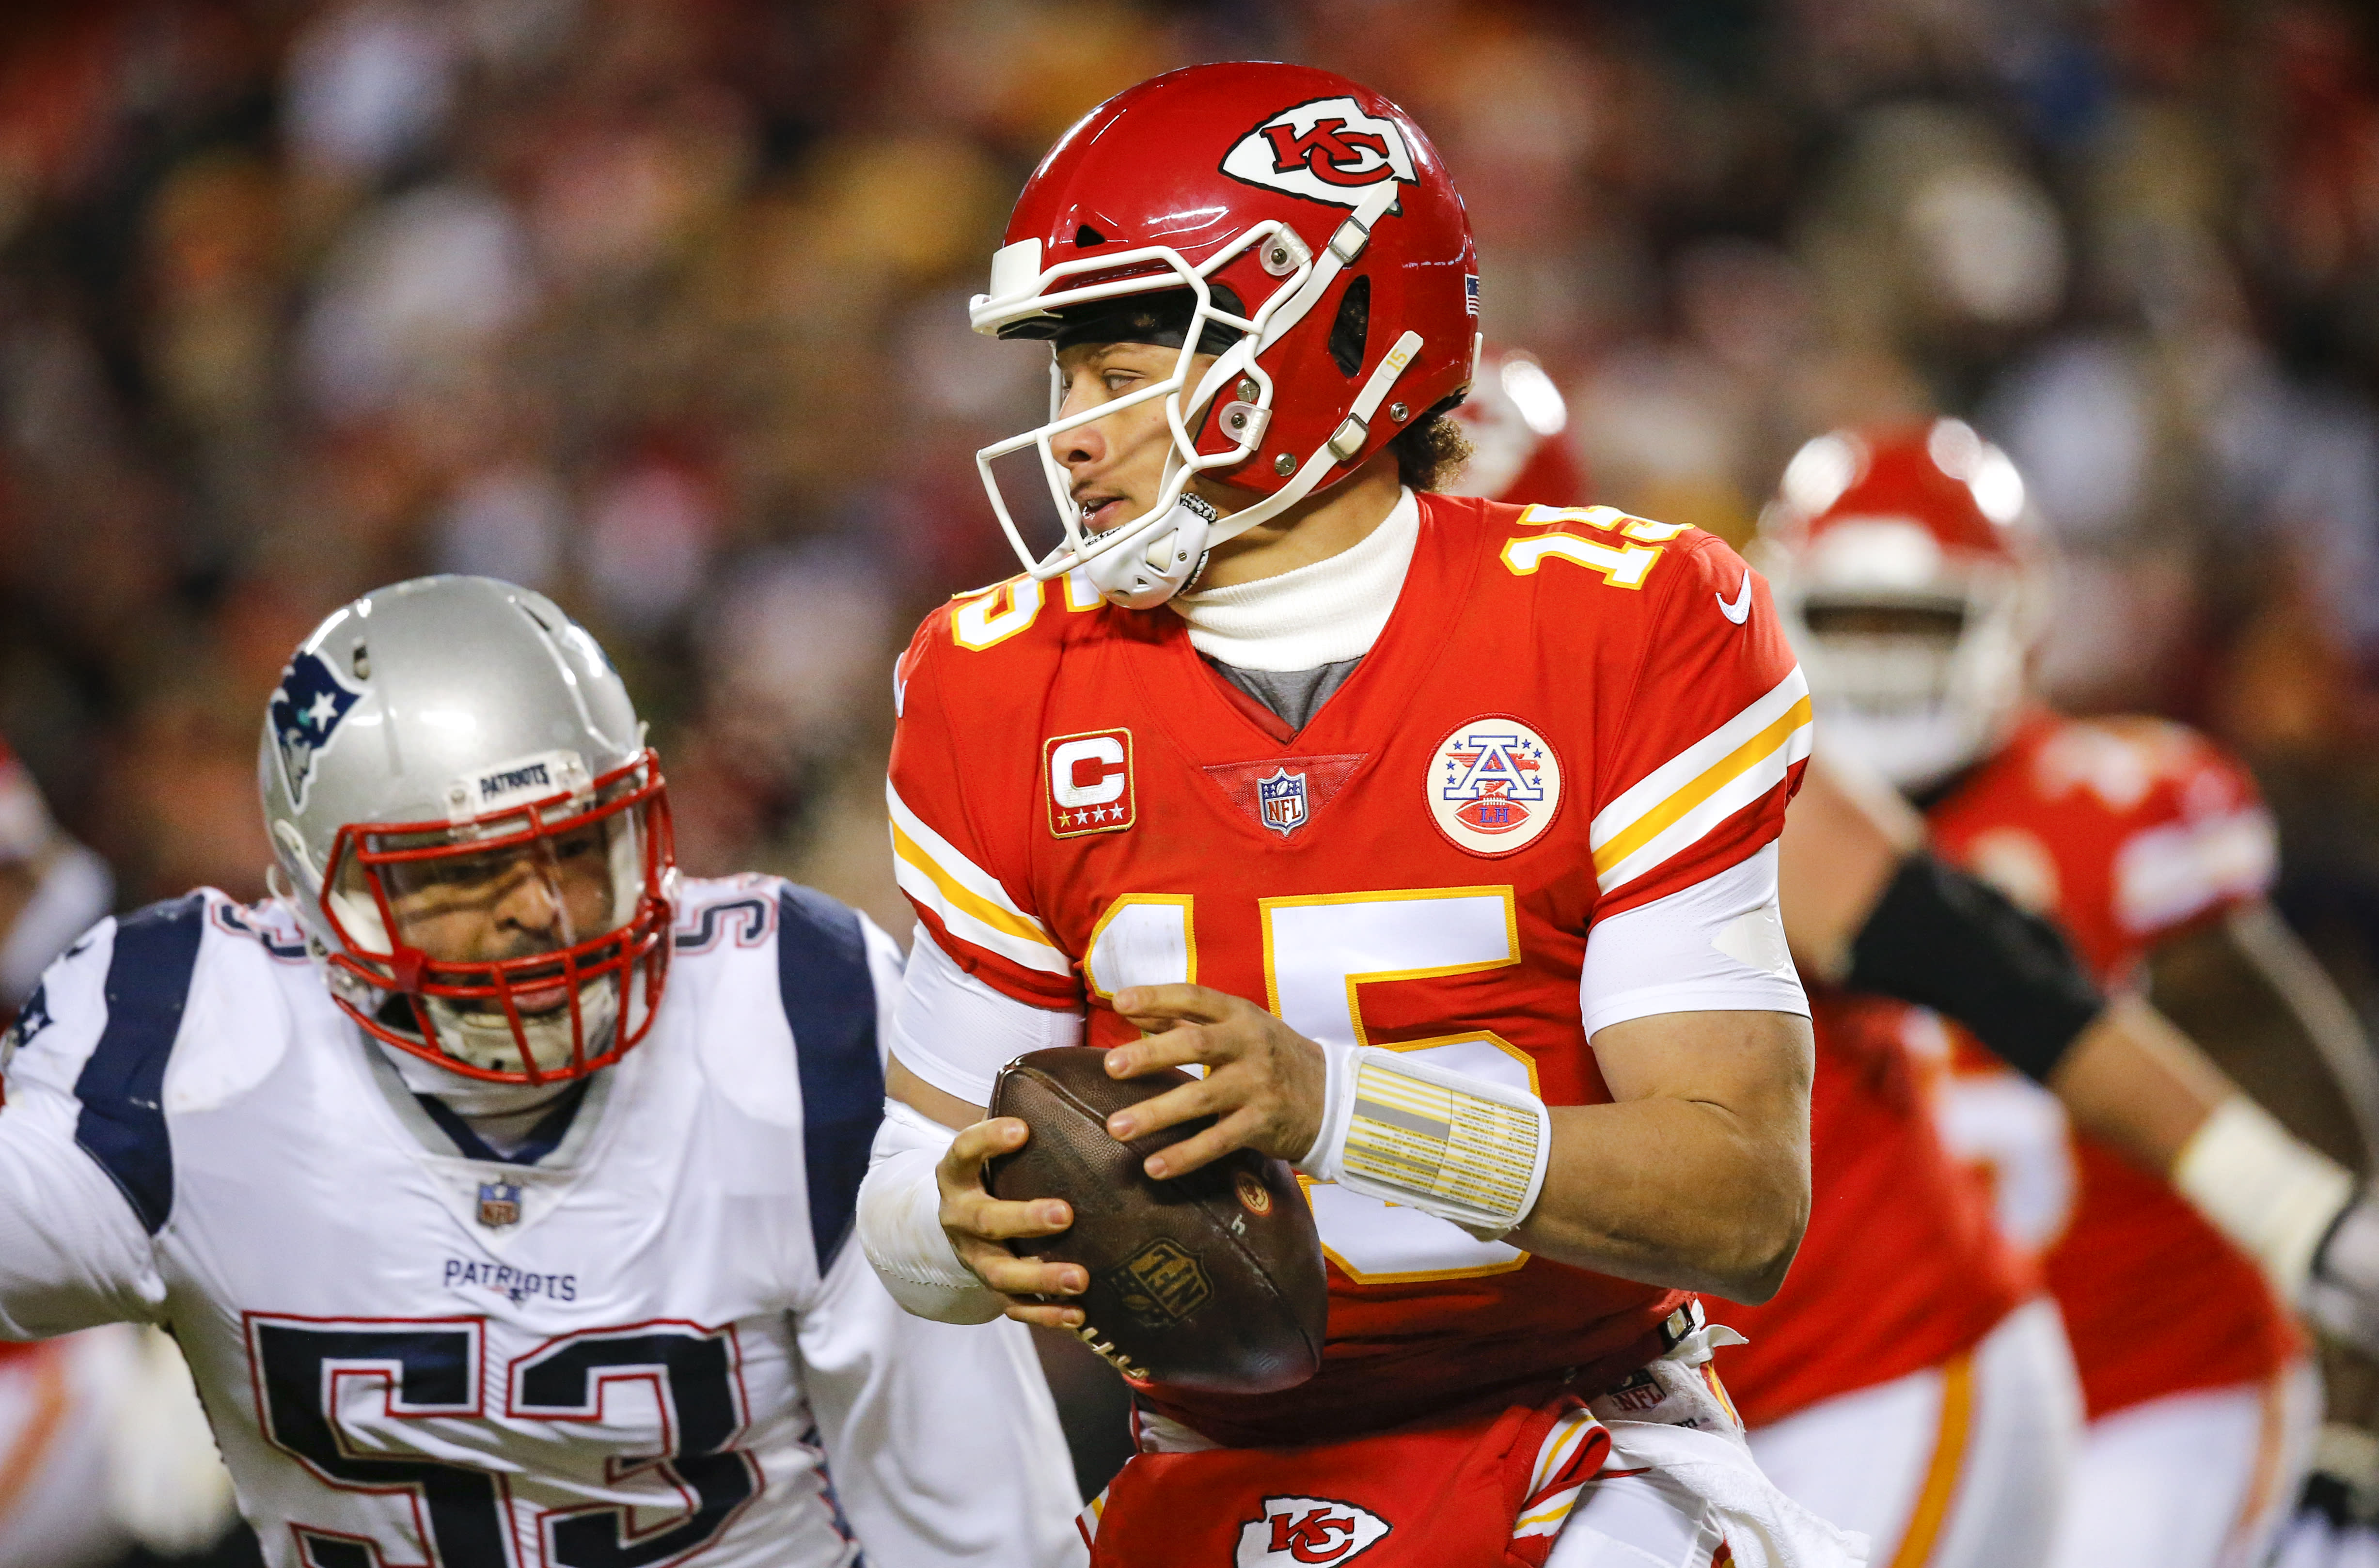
(1647, 794)
(1717, 777)
(1022, 927)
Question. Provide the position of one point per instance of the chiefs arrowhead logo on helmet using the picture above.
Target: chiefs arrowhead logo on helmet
(1328, 150)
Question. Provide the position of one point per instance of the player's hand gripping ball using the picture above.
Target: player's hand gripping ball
(1209, 1281)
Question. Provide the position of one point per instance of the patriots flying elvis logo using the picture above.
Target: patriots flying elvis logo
(306, 710)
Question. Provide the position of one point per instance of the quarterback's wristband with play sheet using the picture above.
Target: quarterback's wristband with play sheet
(1407, 1131)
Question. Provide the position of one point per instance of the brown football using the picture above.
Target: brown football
(1210, 1280)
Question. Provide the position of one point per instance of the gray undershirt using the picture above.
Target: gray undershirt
(1294, 695)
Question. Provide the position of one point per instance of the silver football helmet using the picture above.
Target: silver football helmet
(475, 836)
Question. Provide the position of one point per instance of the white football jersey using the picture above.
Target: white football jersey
(653, 1345)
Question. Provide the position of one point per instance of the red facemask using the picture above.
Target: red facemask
(526, 945)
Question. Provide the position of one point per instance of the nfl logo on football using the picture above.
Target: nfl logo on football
(499, 1204)
(1280, 800)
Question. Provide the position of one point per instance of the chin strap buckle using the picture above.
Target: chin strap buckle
(1350, 238)
(1348, 439)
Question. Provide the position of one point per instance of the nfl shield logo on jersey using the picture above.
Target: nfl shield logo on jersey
(1494, 785)
(1308, 1529)
(499, 1204)
(1280, 801)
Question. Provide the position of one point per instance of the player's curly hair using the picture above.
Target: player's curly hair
(1432, 451)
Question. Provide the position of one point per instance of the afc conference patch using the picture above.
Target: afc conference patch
(499, 1204)
(1494, 785)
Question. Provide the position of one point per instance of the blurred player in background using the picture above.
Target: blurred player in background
(494, 1180)
(101, 1440)
(1904, 561)
(1301, 732)
(1515, 418)
(1893, 1384)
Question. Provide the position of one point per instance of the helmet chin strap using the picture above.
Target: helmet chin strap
(1142, 577)
(1134, 576)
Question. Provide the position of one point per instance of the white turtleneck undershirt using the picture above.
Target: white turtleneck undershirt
(1325, 613)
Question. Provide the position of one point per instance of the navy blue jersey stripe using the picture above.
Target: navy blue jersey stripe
(829, 999)
(123, 1085)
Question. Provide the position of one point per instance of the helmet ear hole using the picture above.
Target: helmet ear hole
(1087, 237)
(1352, 330)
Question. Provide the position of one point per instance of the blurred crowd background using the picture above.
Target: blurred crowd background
(658, 306)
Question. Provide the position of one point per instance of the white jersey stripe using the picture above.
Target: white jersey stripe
(970, 903)
(1648, 795)
(1763, 774)
(918, 883)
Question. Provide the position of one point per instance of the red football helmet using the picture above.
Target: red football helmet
(1514, 417)
(1912, 581)
(1311, 234)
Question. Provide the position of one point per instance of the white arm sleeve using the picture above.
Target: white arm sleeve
(72, 1252)
(900, 1223)
(956, 1033)
(942, 1440)
(1716, 947)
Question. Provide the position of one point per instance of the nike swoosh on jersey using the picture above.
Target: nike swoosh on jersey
(1740, 610)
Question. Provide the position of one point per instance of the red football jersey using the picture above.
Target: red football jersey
(1569, 713)
(2126, 831)
(1900, 1267)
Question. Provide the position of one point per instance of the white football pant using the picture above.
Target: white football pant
(1960, 1465)
(1679, 1488)
(2191, 1481)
